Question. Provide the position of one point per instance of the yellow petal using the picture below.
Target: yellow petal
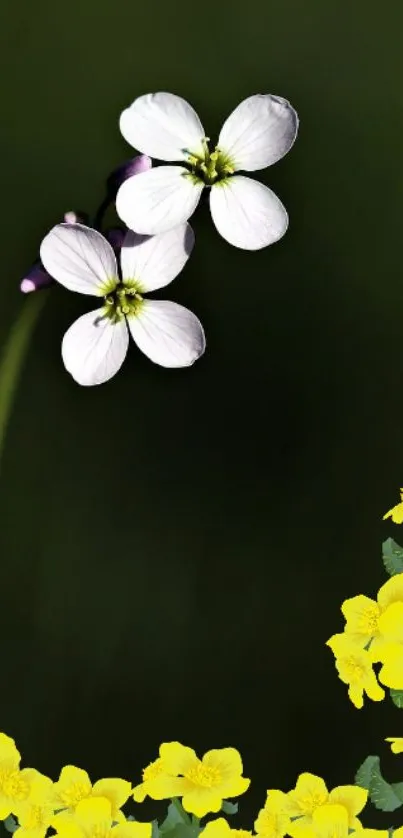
(376, 833)
(201, 801)
(94, 813)
(227, 760)
(166, 786)
(391, 674)
(396, 513)
(218, 828)
(352, 798)
(356, 695)
(330, 821)
(117, 791)
(391, 622)
(139, 792)
(132, 829)
(10, 757)
(397, 744)
(391, 591)
(177, 758)
(277, 802)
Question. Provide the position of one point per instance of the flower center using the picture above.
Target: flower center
(211, 166)
(13, 785)
(355, 670)
(153, 770)
(74, 794)
(203, 775)
(123, 300)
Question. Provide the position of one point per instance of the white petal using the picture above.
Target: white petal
(162, 125)
(246, 213)
(154, 261)
(94, 348)
(158, 200)
(169, 334)
(79, 258)
(258, 132)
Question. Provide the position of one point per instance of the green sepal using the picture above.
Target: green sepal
(392, 555)
(381, 793)
(397, 697)
(229, 808)
(155, 831)
(10, 824)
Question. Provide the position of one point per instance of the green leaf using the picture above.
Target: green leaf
(229, 808)
(183, 830)
(155, 829)
(10, 824)
(176, 816)
(398, 790)
(397, 697)
(381, 793)
(364, 773)
(392, 555)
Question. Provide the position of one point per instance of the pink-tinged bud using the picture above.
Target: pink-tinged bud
(36, 279)
(115, 236)
(138, 164)
(73, 217)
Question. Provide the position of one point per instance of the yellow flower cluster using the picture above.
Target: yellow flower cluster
(373, 633)
(75, 808)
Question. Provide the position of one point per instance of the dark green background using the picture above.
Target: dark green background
(175, 545)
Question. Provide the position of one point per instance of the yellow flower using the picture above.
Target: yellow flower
(35, 814)
(396, 513)
(273, 820)
(15, 784)
(310, 794)
(92, 818)
(220, 828)
(391, 656)
(397, 744)
(74, 785)
(331, 821)
(153, 770)
(354, 666)
(364, 616)
(204, 783)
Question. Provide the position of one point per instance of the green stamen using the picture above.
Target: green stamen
(211, 167)
(124, 301)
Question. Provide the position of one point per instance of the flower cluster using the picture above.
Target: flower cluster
(373, 632)
(153, 246)
(73, 807)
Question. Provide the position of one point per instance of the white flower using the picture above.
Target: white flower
(95, 346)
(246, 213)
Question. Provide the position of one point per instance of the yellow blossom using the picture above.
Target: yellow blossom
(74, 785)
(273, 820)
(364, 617)
(220, 828)
(35, 814)
(92, 818)
(330, 821)
(354, 666)
(153, 770)
(396, 513)
(397, 744)
(202, 784)
(311, 793)
(15, 784)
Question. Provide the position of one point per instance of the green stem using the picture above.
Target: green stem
(13, 356)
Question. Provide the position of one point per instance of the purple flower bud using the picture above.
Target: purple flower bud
(138, 164)
(35, 279)
(73, 217)
(115, 236)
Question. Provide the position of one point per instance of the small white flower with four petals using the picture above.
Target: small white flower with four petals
(95, 346)
(245, 212)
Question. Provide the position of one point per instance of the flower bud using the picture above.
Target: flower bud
(138, 164)
(73, 217)
(35, 279)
